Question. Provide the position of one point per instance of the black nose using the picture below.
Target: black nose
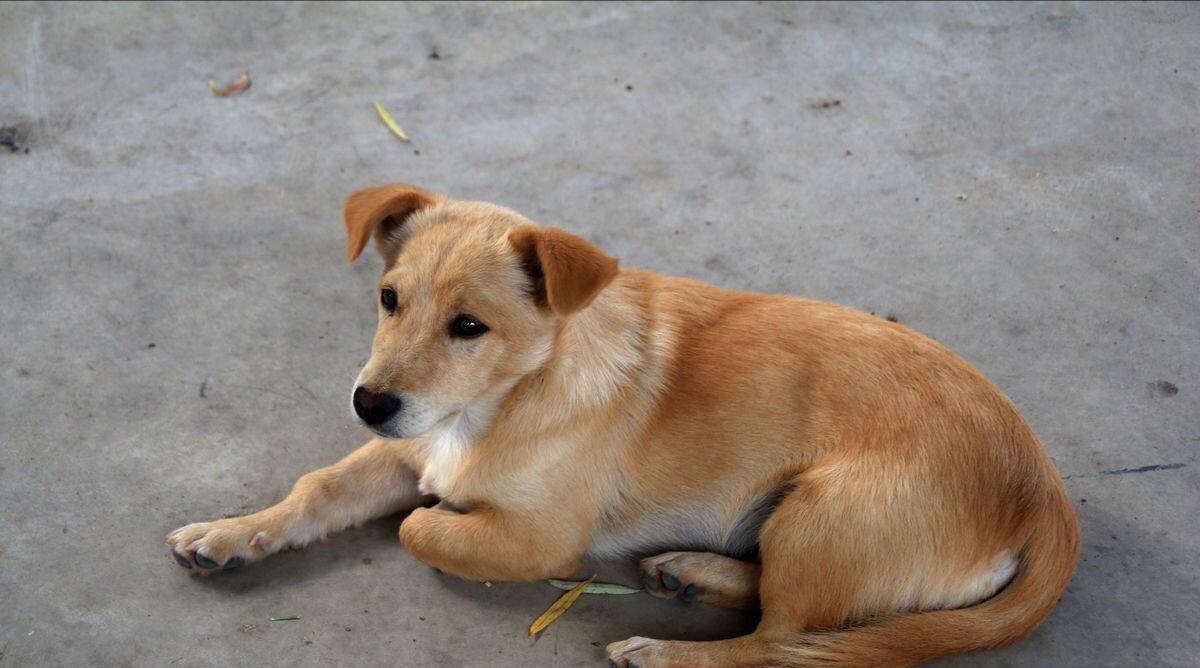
(374, 408)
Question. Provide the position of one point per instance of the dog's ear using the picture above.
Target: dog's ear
(567, 271)
(381, 211)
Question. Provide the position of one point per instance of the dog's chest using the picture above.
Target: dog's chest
(445, 449)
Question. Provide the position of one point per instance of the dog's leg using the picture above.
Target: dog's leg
(371, 482)
(711, 578)
(746, 651)
(848, 542)
(486, 544)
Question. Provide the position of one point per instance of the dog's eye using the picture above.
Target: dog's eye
(387, 297)
(467, 327)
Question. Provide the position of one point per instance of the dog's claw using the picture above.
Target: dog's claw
(689, 593)
(670, 582)
(233, 563)
(204, 562)
(181, 560)
(651, 581)
(612, 664)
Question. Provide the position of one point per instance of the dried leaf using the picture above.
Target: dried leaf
(239, 84)
(558, 608)
(595, 587)
(286, 618)
(390, 122)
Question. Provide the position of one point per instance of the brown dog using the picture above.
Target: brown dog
(877, 497)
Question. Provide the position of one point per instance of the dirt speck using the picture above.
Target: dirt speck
(367, 561)
(151, 345)
(628, 87)
(892, 317)
(12, 137)
(434, 55)
(826, 104)
(1164, 388)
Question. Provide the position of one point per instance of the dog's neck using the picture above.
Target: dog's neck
(596, 355)
(449, 440)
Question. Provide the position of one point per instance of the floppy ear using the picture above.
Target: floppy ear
(567, 271)
(381, 211)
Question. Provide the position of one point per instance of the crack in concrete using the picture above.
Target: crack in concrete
(1139, 469)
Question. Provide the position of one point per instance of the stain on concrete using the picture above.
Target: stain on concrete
(1163, 388)
(1140, 469)
(1144, 469)
(15, 138)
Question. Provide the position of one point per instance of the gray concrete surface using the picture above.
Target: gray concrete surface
(179, 334)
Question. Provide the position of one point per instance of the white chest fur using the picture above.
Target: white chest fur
(446, 446)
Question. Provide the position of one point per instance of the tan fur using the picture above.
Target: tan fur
(891, 490)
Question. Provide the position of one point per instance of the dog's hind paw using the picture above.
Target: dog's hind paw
(667, 576)
(636, 652)
(702, 576)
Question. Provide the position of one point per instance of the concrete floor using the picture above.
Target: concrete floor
(179, 333)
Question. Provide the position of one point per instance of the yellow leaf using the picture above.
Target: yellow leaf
(558, 608)
(240, 84)
(390, 122)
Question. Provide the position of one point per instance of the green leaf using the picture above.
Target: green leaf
(594, 587)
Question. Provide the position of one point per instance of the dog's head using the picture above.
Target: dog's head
(469, 302)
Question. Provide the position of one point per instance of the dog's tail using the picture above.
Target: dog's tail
(905, 639)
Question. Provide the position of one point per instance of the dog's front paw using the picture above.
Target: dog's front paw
(223, 545)
(415, 533)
